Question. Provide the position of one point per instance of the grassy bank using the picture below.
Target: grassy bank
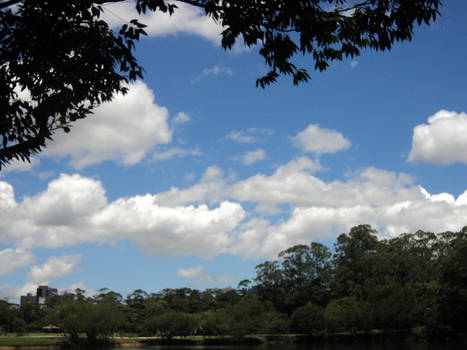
(30, 340)
(59, 341)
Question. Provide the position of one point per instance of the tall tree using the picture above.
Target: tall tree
(59, 59)
(353, 260)
(454, 282)
(306, 273)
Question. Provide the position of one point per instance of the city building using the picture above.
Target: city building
(42, 293)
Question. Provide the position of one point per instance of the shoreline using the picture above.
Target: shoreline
(370, 337)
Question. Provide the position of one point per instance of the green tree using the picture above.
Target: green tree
(355, 253)
(270, 284)
(136, 309)
(453, 281)
(344, 314)
(110, 297)
(32, 314)
(10, 320)
(95, 320)
(68, 60)
(252, 315)
(306, 271)
(217, 322)
(175, 323)
(308, 319)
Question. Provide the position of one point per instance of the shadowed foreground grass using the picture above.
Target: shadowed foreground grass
(31, 340)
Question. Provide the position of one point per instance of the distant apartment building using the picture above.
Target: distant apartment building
(42, 293)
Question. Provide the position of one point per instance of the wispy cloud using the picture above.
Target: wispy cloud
(12, 259)
(253, 156)
(19, 165)
(250, 135)
(216, 70)
(181, 117)
(175, 152)
(201, 277)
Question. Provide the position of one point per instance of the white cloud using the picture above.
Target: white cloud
(53, 267)
(89, 292)
(181, 117)
(253, 156)
(186, 19)
(14, 292)
(18, 165)
(46, 174)
(353, 64)
(250, 135)
(175, 152)
(12, 259)
(442, 141)
(189, 177)
(212, 188)
(289, 184)
(390, 202)
(320, 141)
(240, 137)
(74, 210)
(215, 70)
(201, 278)
(7, 198)
(122, 130)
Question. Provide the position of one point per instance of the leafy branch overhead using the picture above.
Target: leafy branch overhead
(59, 59)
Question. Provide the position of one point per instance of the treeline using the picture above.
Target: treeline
(413, 281)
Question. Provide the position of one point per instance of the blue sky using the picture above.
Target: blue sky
(196, 176)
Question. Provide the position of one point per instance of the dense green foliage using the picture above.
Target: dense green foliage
(59, 58)
(411, 281)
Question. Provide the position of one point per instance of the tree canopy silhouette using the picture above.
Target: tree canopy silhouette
(59, 59)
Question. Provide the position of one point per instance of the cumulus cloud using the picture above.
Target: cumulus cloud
(7, 198)
(74, 209)
(175, 152)
(320, 141)
(288, 184)
(186, 19)
(393, 203)
(12, 259)
(212, 188)
(208, 218)
(178, 230)
(253, 156)
(53, 267)
(442, 141)
(201, 278)
(122, 130)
